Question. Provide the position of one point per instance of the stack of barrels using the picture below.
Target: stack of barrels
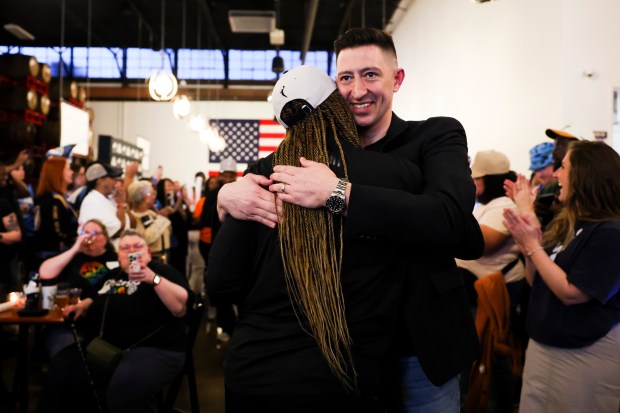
(24, 99)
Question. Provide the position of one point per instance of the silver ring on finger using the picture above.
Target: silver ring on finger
(283, 188)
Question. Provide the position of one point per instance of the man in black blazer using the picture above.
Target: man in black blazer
(437, 340)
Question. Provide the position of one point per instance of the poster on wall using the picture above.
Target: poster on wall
(74, 128)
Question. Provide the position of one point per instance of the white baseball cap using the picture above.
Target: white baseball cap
(228, 164)
(490, 163)
(306, 83)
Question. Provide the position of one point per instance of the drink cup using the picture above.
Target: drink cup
(62, 295)
(74, 295)
(48, 294)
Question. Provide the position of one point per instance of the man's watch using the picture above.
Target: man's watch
(156, 280)
(336, 201)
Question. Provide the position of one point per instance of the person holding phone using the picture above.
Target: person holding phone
(140, 309)
(155, 228)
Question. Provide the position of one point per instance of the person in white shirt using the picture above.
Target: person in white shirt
(105, 200)
(501, 254)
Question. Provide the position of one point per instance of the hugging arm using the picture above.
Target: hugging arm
(439, 217)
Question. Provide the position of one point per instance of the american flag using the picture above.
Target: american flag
(247, 140)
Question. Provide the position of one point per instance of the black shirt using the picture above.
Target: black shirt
(270, 352)
(592, 264)
(135, 310)
(88, 273)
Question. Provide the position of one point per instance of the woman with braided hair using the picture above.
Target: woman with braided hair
(314, 323)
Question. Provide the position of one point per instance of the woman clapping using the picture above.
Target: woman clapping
(573, 358)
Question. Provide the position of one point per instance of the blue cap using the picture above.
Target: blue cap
(541, 156)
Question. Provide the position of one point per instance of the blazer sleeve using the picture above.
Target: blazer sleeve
(438, 218)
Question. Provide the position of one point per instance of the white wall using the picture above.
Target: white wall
(509, 69)
(173, 145)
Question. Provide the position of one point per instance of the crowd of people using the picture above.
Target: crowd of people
(121, 242)
(364, 266)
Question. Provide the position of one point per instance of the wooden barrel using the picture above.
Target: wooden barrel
(44, 104)
(18, 98)
(15, 133)
(69, 90)
(54, 112)
(18, 66)
(45, 73)
(49, 133)
(82, 94)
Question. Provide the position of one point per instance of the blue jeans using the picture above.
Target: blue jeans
(419, 395)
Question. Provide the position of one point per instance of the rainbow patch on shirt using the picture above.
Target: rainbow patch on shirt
(93, 271)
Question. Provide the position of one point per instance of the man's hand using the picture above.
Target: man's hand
(245, 199)
(308, 186)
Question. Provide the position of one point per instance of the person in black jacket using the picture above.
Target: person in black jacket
(314, 321)
(59, 221)
(437, 339)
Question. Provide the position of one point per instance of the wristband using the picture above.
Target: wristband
(529, 254)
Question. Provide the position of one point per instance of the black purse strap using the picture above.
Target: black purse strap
(143, 339)
(511, 265)
(105, 311)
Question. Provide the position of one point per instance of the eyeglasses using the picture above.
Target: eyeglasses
(92, 233)
(127, 247)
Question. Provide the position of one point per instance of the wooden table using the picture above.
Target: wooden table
(19, 393)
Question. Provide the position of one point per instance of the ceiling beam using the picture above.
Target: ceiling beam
(346, 16)
(144, 21)
(141, 93)
(217, 40)
(311, 9)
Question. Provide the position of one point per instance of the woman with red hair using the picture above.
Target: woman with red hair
(57, 229)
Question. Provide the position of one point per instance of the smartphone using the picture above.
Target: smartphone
(134, 262)
(170, 198)
(146, 220)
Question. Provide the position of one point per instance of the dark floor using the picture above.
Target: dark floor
(208, 357)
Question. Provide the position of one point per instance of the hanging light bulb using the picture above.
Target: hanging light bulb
(162, 84)
(197, 123)
(217, 144)
(181, 107)
(206, 135)
(212, 138)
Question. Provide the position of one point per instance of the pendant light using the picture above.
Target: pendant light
(181, 106)
(163, 85)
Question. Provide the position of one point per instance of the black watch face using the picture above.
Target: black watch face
(335, 204)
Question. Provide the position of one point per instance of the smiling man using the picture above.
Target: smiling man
(436, 339)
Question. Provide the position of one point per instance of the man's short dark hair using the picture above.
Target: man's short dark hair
(365, 37)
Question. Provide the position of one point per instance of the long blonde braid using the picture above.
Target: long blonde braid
(311, 240)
